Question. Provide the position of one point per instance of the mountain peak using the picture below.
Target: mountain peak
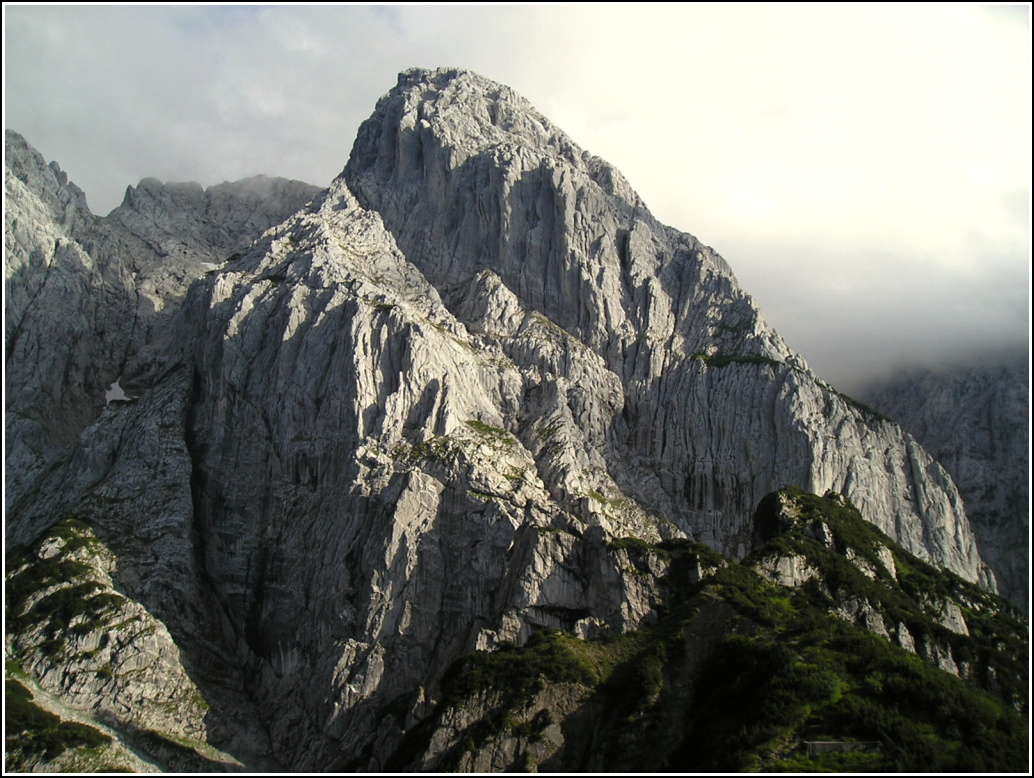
(468, 393)
(48, 182)
(470, 115)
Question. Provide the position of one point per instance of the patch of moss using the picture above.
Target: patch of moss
(72, 603)
(533, 729)
(548, 430)
(439, 447)
(636, 545)
(517, 673)
(796, 673)
(493, 435)
(32, 734)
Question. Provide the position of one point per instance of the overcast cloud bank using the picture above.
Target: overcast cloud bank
(865, 171)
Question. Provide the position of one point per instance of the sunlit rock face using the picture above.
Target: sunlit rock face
(412, 419)
(84, 293)
(65, 319)
(716, 410)
(975, 421)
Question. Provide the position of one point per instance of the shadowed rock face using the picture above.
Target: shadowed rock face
(84, 293)
(976, 422)
(410, 420)
(716, 410)
(66, 318)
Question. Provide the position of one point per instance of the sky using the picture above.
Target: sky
(864, 170)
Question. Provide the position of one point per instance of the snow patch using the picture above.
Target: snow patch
(116, 393)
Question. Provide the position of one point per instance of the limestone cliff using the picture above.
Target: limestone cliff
(716, 410)
(437, 408)
(67, 312)
(976, 422)
(84, 293)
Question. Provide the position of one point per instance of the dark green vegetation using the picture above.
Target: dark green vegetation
(996, 649)
(739, 673)
(806, 675)
(74, 597)
(492, 434)
(31, 734)
(518, 673)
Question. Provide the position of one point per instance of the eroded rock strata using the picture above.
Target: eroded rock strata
(418, 417)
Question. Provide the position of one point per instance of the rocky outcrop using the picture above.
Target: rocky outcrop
(803, 540)
(975, 421)
(85, 643)
(66, 318)
(84, 293)
(174, 232)
(716, 410)
(470, 391)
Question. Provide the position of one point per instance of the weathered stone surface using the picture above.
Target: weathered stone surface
(412, 421)
(65, 320)
(84, 293)
(716, 410)
(391, 442)
(786, 570)
(174, 232)
(975, 421)
(100, 652)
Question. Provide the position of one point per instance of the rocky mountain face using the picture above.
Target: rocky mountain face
(768, 665)
(65, 319)
(975, 421)
(414, 418)
(85, 293)
(716, 411)
(178, 229)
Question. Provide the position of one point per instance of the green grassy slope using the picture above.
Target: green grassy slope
(739, 673)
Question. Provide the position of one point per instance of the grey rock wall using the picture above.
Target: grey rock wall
(716, 410)
(976, 421)
(413, 419)
(65, 320)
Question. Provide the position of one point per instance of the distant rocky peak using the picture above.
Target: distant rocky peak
(975, 421)
(225, 217)
(65, 201)
(467, 177)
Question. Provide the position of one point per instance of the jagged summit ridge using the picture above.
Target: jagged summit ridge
(427, 412)
(469, 179)
(476, 114)
(84, 293)
(184, 217)
(559, 225)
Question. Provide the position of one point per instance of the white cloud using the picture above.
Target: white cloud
(816, 148)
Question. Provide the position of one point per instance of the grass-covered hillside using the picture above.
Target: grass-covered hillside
(93, 681)
(823, 650)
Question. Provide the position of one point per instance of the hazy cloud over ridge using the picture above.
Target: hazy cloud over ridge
(865, 171)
